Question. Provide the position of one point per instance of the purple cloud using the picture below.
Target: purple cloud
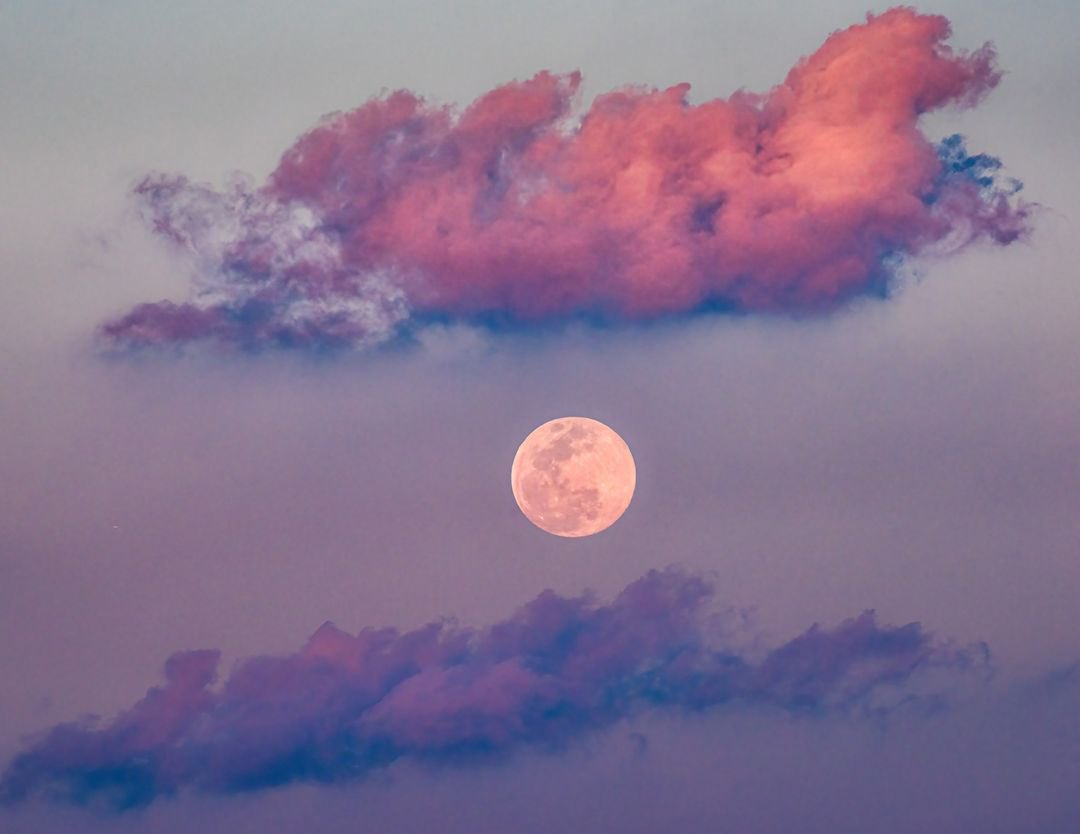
(346, 705)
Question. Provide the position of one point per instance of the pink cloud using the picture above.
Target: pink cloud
(521, 208)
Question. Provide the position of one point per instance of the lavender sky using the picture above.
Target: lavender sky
(916, 455)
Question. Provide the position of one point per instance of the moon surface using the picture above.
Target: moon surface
(573, 476)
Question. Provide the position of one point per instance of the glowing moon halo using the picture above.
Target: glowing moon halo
(573, 477)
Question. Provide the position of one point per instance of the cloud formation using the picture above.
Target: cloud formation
(345, 705)
(522, 210)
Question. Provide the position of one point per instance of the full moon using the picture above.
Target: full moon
(573, 477)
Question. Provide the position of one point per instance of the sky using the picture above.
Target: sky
(844, 365)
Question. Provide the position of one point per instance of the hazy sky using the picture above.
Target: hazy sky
(918, 456)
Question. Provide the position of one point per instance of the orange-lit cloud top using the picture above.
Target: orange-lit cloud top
(521, 209)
